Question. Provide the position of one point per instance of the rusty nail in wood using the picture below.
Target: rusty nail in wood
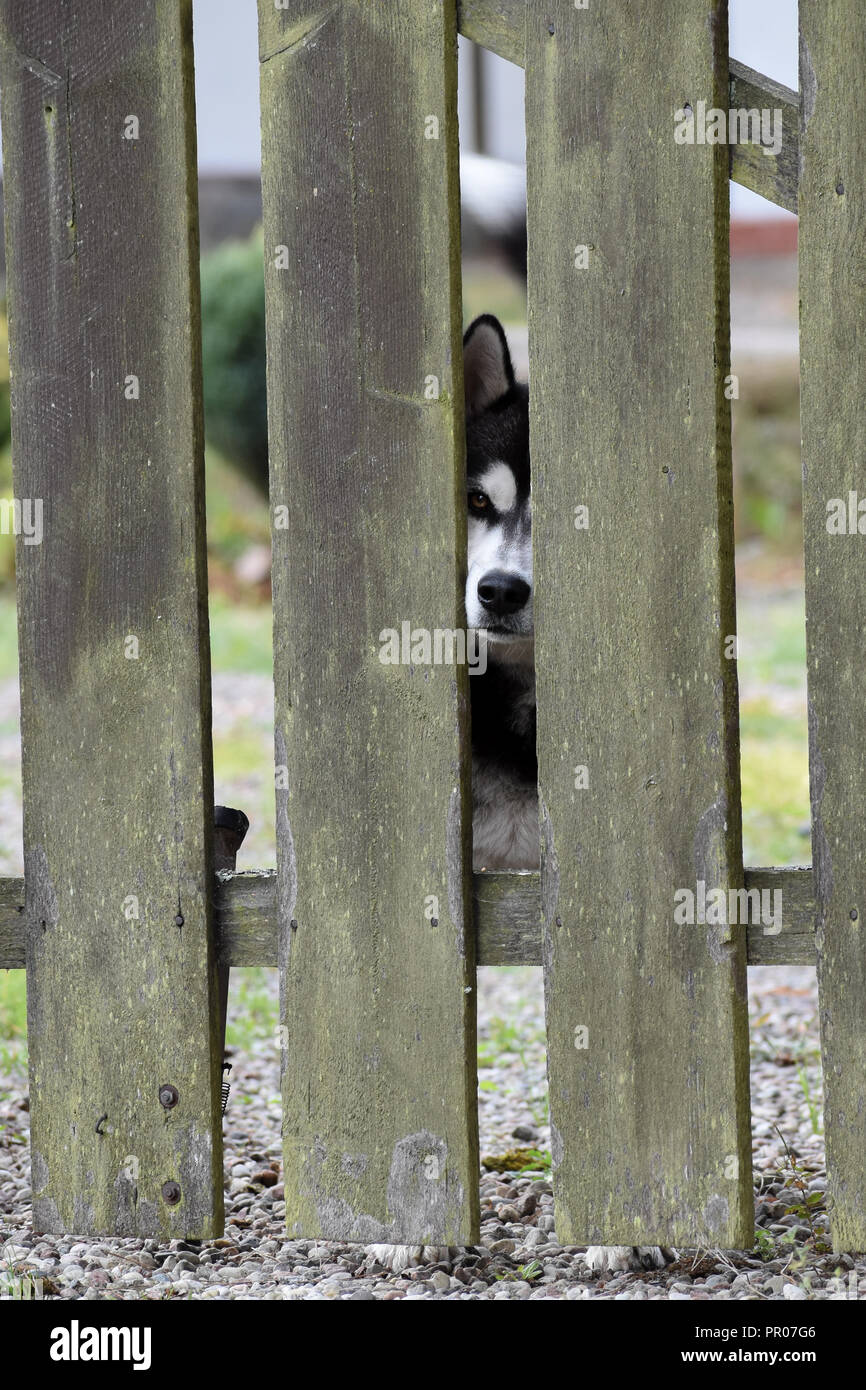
(168, 1096)
(171, 1193)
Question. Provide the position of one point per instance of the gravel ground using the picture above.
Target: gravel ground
(519, 1257)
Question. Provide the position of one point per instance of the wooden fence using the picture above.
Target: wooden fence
(124, 930)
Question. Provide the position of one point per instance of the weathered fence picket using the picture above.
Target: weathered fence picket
(366, 445)
(100, 185)
(833, 364)
(628, 322)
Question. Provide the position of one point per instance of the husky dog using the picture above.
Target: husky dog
(505, 832)
(499, 604)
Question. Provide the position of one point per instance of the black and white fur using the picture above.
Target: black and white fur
(499, 604)
(499, 592)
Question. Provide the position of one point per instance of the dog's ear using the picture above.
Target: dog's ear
(487, 370)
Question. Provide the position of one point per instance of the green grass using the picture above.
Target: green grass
(19, 1287)
(237, 512)
(243, 777)
(13, 1020)
(240, 636)
(813, 1102)
(253, 1008)
(772, 639)
(774, 761)
(525, 1273)
(501, 1036)
(489, 290)
(775, 793)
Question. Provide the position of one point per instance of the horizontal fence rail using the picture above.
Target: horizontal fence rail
(507, 916)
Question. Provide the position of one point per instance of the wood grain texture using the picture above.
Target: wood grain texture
(365, 404)
(795, 943)
(833, 422)
(245, 917)
(508, 919)
(650, 1116)
(507, 909)
(772, 175)
(495, 24)
(101, 239)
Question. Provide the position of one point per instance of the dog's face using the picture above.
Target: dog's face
(499, 582)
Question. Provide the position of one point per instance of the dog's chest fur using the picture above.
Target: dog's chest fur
(504, 768)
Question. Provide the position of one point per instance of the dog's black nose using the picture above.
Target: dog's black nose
(502, 593)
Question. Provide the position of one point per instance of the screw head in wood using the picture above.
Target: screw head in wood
(171, 1193)
(168, 1096)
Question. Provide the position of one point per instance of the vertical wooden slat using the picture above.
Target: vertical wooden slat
(628, 355)
(833, 412)
(366, 438)
(101, 230)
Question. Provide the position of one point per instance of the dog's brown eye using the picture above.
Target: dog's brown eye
(478, 501)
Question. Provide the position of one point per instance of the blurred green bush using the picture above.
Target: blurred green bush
(233, 354)
(768, 502)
